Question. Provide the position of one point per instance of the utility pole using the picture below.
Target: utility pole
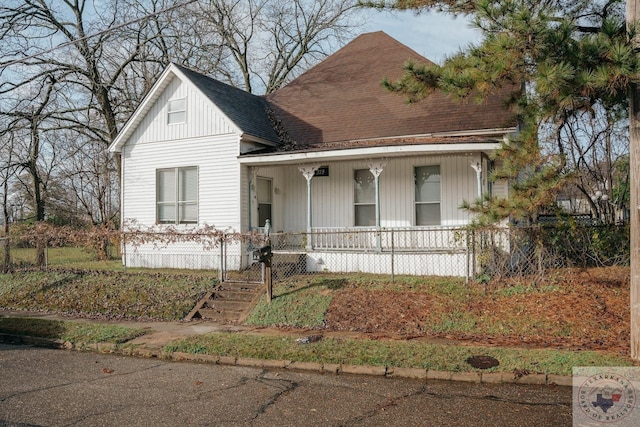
(633, 16)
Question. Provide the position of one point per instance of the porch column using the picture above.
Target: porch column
(308, 171)
(477, 166)
(376, 169)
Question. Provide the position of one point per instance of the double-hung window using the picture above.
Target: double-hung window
(427, 179)
(364, 198)
(177, 111)
(177, 195)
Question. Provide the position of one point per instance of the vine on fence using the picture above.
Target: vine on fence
(161, 236)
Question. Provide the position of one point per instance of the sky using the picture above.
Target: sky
(432, 35)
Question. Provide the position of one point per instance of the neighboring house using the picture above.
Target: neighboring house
(332, 151)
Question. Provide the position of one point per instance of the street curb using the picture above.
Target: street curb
(426, 375)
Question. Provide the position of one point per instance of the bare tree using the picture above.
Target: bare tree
(596, 146)
(265, 43)
(94, 70)
(6, 172)
(104, 57)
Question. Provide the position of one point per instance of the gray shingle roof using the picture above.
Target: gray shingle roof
(246, 110)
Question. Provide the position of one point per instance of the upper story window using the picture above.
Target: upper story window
(177, 111)
(427, 195)
(177, 195)
(364, 198)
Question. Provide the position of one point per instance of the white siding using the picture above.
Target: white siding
(206, 140)
(333, 196)
(454, 264)
(218, 178)
(203, 118)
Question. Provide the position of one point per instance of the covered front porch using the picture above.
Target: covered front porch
(371, 209)
(386, 187)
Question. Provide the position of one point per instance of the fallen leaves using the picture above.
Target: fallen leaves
(579, 309)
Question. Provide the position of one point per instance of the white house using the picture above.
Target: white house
(330, 152)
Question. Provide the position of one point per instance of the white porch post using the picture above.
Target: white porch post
(376, 169)
(477, 166)
(308, 171)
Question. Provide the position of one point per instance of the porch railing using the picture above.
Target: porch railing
(386, 239)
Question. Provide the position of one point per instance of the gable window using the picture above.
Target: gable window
(364, 198)
(177, 111)
(427, 179)
(177, 195)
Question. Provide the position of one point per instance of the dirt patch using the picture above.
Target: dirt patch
(577, 309)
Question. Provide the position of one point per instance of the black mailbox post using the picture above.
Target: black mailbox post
(264, 256)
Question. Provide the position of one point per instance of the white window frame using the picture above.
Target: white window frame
(177, 111)
(177, 203)
(417, 203)
(357, 204)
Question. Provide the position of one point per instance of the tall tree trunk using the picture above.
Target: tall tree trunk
(5, 215)
(633, 16)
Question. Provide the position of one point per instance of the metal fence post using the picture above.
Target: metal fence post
(393, 271)
(466, 280)
(6, 254)
(124, 251)
(222, 258)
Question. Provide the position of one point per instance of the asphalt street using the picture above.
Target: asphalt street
(43, 387)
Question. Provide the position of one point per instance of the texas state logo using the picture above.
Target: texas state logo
(607, 398)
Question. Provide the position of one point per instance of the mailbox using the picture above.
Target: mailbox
(263, 254)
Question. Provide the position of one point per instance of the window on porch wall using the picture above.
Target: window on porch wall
(177, 195)
(427, 179)
(365, 198)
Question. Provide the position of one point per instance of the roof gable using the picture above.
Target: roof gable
(245, 111)
(342, 99)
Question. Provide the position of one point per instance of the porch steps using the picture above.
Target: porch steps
(229, 302)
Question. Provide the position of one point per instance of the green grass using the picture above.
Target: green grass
(411, 354)
(458, 321)
(105, 294)
(293, 305)
(68, 330)
(70, 257)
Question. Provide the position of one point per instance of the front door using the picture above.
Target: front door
(264, 193)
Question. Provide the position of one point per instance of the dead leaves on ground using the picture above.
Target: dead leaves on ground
(581, 309)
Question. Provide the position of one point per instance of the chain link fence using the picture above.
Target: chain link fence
(442, 251)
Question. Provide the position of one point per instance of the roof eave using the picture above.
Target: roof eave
(364, 153)
(136, 117)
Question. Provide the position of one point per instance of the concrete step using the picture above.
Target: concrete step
(229, 305)
(240, 286)
(220, 315)
(235, 295)
(229, 302)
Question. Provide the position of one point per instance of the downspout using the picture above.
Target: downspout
(120, 163)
